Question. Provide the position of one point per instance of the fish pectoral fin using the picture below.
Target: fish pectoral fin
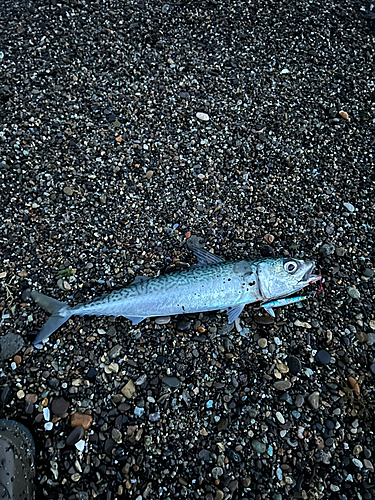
(205, 258)
(269, 310)
(234, 312)
(134, 319)
(140, 279)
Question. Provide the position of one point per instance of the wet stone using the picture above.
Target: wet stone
(327, 249)
(183, 324)
(258, 446)
(171, 381)
(115, 352)
(354, 292)
(313, 399)
(264, 320)
(295, 365)
(75, 435)
(59, 406)
(322, 357)
(282, 385)
(10, 344)
(81, 419)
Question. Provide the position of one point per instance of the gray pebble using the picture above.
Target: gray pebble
(282, 385)
(354, 292)
(171, 381)
(313, 399)
(10, 344)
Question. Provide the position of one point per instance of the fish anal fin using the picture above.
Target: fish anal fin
(134, 319)
(234, 312)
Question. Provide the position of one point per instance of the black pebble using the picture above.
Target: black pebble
(295, 365)
(322, 357)
(76, 434)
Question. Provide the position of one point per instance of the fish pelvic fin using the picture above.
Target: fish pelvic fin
(60, 311)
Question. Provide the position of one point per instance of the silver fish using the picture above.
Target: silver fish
(212, 284)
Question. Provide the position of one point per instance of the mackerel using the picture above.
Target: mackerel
(212, 284)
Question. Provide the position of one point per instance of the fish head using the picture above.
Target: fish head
(283, 277)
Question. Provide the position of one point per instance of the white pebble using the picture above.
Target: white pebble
(48, 426)
(203, 117)
(80, 445)
(280, 418)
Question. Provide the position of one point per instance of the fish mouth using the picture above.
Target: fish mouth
(309, 276)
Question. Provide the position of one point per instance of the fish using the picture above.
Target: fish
(212, 284)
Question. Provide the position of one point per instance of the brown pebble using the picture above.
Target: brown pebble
(81, 419)
(17, 359)
(354, 385)
(201, 329)
(269, 238)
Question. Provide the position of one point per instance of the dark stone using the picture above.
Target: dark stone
(59, 406)
(294, 364)
(322, 357)
(76, 434)
(171, 381)
(183, 324)
(91, 374)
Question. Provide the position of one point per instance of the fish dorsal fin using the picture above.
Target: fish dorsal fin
(205, 258)
(140, 279)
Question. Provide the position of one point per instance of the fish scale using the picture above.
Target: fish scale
(212, 284)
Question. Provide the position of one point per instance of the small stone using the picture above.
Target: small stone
(171, 381)
(75, 435)
(369, 273)
(219, 495)
(115, 351)
(280, 417)
(116, 436)
(202, 116)
(20, 394)
(48, 426)
(295, 365)
(340, 252)
(163, 320)
(258, 446)
(354, 385)
(354, 292)
(128, 390)
(282, 385)
(322, 357)
(10, 344)
(68, 191)
(59, 406)
(233, 485)
(269, 238)
(149, 174)
(362, 337)
(302, 324)
(368, 465)
(217, 472)
(264, 320)
(299, 400)
(344, 115)
(80, 446)
(349, 207)
(17, 359)
(313, 399)
(262, 343)
(183, 324)
(31, 398)
(81, 419)
(327, 249)
(357, 463)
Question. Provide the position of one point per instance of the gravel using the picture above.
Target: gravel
(126, 129)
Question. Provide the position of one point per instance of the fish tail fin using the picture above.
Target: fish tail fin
(60, 311)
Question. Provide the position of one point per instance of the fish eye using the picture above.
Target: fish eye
(290, 266)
